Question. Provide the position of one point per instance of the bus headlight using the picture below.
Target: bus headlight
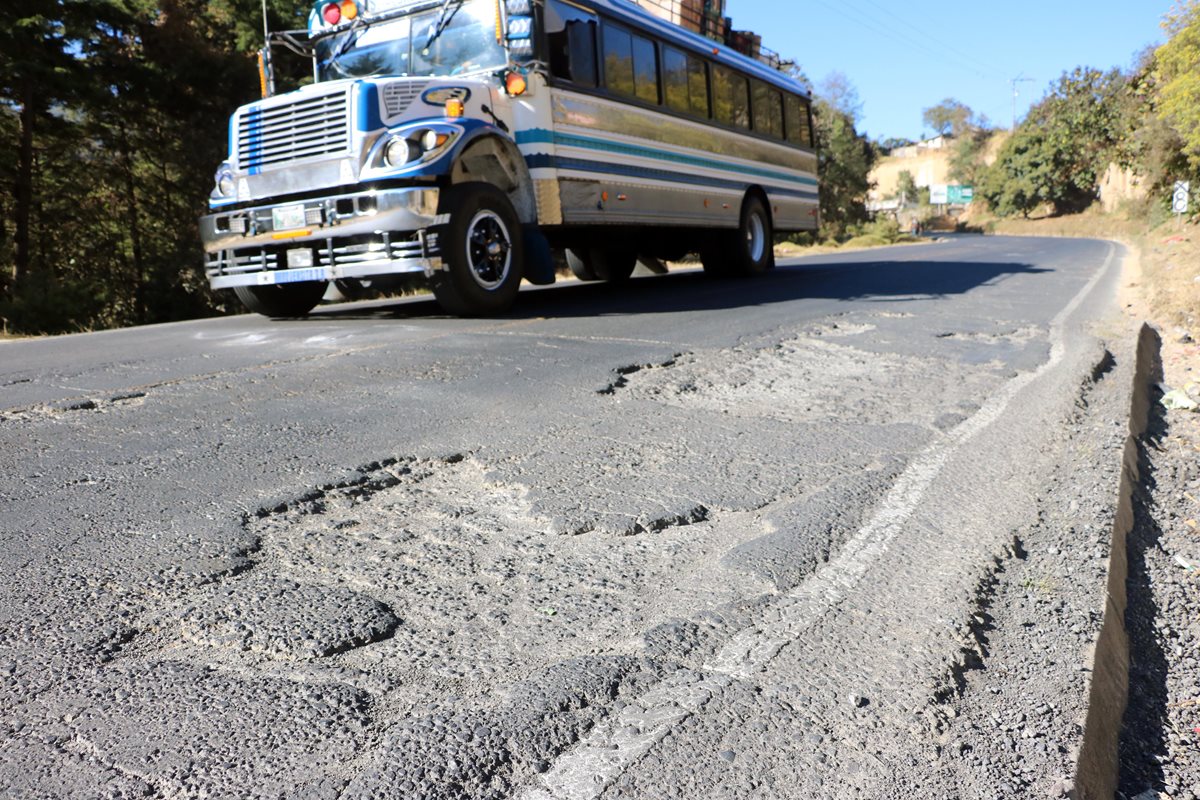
(417, 145)
(226, 186)
(400, 151)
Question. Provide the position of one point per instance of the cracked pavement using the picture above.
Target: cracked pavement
(683, 538)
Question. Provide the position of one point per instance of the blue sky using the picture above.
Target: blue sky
(903, 57)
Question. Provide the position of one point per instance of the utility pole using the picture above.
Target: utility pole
(1017, 80)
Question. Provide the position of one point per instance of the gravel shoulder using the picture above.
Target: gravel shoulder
(1160, 743)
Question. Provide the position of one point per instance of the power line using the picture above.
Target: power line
(868, 23)
(935, 40)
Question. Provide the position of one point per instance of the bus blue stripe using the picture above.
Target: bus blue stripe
(543, 136)
(543, 161)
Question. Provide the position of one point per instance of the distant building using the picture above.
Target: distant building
(705, 17)
(923, 147)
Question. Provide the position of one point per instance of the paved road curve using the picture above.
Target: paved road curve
(683, 538)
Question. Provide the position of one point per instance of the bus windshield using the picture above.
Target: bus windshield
(459, 38)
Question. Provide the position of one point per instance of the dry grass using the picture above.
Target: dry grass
(791, 250)
(1171, 277)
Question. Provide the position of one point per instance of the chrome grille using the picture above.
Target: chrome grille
(399, 95)
(305, 128)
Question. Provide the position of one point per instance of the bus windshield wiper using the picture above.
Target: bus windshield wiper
(445, 17)
(357, 28)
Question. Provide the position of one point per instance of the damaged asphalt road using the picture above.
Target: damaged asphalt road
(836, 532)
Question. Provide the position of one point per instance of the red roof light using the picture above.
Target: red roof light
(332, 13)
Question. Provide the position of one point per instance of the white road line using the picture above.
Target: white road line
(615, 743)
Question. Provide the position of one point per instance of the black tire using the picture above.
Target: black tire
(482, 249)
(749, 250)
(614, 265)
(283, 299)
(581, 266)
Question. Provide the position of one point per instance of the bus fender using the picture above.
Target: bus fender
(487, 155)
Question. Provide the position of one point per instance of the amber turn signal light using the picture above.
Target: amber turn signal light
(515, 84)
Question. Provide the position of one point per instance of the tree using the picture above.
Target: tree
(966, 157)
(1179, 63)
(906, 187)
(845, 158)
(949, 117)
(839, 94)
(105, 168)
(893, 143)
(1056, 156)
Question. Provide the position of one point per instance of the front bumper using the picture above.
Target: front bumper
(358, 235)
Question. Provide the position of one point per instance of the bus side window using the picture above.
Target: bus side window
(797, 121)
(675, 80)
(618, 60)
(645, 68)
(768, 110)
(571, 35)
(731, 97)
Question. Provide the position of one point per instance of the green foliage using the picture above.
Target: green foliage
(966, 157)
(949, 117)
(1058, 154)
(906, 187)
(1179, 64)
(893, 143)
(844, 164)
(113, 115)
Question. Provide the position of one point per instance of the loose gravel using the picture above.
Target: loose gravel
(1160, 747)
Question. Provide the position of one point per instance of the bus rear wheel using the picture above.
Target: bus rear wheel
(614, 265)
(283, 299)
(482, 250)
(749, 250)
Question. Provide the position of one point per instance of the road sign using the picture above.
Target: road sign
(939, 194)
(960, 195)
(1180, 197)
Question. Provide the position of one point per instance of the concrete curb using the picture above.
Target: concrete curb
(1097, 770)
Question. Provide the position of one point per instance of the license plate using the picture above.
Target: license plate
(293, 275)
(288, 218)
(299, 258)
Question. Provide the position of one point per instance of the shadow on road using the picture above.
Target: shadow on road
(692, 291)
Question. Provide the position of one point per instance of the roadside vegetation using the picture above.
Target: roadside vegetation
(1144, 124)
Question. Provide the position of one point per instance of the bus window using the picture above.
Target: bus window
(768, 110)
(571, 34)
(675, 80)
(645, 69)
(618, 60)
(797, 121)
(731, 97)
(698, 86)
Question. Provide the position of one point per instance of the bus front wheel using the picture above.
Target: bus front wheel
(482, 250)
(282, 300)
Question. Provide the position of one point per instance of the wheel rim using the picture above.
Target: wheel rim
(489, 249)
(756, 236)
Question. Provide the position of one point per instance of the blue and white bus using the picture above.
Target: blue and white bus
(469, 139)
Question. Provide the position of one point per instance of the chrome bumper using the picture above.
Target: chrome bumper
(349, 236)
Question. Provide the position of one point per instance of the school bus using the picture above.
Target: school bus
(467, 140)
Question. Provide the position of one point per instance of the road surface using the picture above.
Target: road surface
(683, 538)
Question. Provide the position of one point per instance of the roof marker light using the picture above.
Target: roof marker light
(332, 13)
(349, 9)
